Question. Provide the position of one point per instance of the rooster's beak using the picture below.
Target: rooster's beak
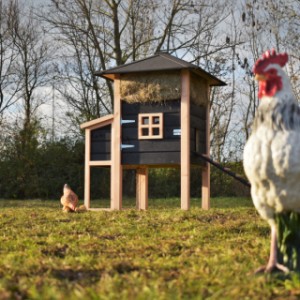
(260, 77)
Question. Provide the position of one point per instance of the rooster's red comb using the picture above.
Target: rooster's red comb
(270, 57)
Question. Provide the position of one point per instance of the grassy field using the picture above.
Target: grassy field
(162, 253)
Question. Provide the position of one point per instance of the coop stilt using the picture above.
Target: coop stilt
(116, 167)
(206, 171)
(185, 140)
(87, 169)
(142, 188)
(206, 187)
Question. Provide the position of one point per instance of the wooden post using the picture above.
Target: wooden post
(142, 188)
(185, 139)
(87, 169)
(206, 170)
(116, 167)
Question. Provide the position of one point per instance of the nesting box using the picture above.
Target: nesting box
(160, 119)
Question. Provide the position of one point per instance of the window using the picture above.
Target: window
(151, 126)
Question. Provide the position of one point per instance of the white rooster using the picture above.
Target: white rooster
(272, 160)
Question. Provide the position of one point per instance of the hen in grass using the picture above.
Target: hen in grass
(69, 199)
(272, 161)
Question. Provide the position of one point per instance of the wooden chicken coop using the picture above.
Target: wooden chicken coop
(160, 119)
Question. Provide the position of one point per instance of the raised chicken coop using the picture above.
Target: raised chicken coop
(160, 119)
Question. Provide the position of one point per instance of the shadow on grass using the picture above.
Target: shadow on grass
(88, 276)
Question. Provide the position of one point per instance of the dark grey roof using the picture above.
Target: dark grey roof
(160, 62)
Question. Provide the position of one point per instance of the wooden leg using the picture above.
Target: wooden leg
(87, 186)
(142, 188)
(116, 187)
(185, 140)
(116, 166)
(206, 187)
(185, 186)
(87, 170)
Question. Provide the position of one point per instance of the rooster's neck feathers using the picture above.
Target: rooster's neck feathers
(278, 116)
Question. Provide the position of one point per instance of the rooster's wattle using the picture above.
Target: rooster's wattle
(272, 160)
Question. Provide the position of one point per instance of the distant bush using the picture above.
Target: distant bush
(40, 169)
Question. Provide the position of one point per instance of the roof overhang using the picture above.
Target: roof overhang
(97, 123)
(161, 62)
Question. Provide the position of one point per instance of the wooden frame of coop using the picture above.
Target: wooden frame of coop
(160, 119)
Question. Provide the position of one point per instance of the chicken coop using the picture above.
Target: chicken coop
(160, 119)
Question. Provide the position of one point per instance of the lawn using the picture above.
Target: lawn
(162, 253)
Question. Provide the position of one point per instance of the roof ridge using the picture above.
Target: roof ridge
(177, 60)
(131, 63)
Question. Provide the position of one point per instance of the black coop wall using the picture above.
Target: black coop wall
(101, 143)
(198, 133)
(164, 151)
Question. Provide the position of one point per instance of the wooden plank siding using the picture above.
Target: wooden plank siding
(161, 152)
(165, 151)
(197, 133)
(101, 143)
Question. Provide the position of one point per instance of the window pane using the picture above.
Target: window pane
(145, 120)
(145, 131)
(155, 131)
(155, 120)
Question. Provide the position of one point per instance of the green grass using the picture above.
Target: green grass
(162, 253)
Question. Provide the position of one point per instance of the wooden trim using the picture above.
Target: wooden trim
(116, 167)
(100, 163)
(151, 125)
(130, 167)
(87, 170)
(108, 76)
(185, 139)
(206, 171)
(97, 123)
(142, 188)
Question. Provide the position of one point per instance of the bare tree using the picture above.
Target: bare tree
(32, 66)
(96, 35)
(31, 69)
(10, 86)
(266, 25)
(75, 26)
(215, 50)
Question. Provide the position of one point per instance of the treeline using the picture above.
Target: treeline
(41, 169)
